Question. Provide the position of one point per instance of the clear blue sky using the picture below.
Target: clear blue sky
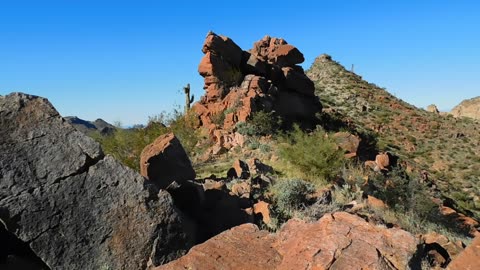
(127, 60)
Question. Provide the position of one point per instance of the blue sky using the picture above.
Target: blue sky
(127, 60)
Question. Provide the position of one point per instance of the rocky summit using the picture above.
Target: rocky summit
(240, 83)
(64, 205)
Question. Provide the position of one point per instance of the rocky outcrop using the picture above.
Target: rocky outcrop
(469, 259)
(70, 205)
(349, 143)
(87, 127)
(336, 241)
(467, 108)
(239, 83)
(165, 161)
(433, 109)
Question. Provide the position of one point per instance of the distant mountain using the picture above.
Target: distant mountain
(468, 108)
(87, 127)
(447, 147)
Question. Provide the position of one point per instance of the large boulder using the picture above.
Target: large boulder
(469, 259)
(165, 161)
(70, 206)
(336, 241)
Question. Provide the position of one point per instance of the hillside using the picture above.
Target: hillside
(447, 147)
(468, 108)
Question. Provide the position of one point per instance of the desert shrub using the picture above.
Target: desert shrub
(313, 155)
(126, 145)
(346, 194)
(261, 123)
(289, 196)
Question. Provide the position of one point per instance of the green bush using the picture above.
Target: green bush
(289, 196)
(261, 123)
(126, 145)
(315, 155)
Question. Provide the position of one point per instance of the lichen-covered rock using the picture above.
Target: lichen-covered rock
(72, 206)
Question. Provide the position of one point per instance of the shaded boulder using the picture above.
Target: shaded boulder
(73, 207)
(165, 161)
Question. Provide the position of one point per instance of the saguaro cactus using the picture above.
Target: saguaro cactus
(188, 98)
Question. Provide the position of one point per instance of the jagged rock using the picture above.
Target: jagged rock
(383, 161)
(70, 205)
(440, 249)
(277, 51)
(469, 259)
(257, 167)
(262, 208)
(336, 241)
(264, 79)
(468, 108)
(165, 161)
(224, 46)
(241, 169)
(298, 82)
(433, 109)
(348, 142)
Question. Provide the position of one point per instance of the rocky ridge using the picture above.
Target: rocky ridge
(467, 108)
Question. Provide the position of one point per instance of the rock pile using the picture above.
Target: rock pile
(66, 205)
(239, 83)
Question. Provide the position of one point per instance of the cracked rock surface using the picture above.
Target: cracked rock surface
(336, 241)
(73, 206)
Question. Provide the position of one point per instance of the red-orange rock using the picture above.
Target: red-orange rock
(277, 51)
(241, 169)
(383, 161)
(376, 203)
(262, 208)
(165, 161)
(243, 247)
(469, 259)
(348, 142)
(224, 46)
(440, 249)
(336, 241)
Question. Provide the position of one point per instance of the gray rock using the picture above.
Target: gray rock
(74, 207)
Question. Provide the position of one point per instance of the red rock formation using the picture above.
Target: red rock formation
(336, 241)
(239, 83)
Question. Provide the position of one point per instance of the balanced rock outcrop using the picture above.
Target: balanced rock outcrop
(165, 161)
(239, 83)
(70, 206)
(336, 241)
